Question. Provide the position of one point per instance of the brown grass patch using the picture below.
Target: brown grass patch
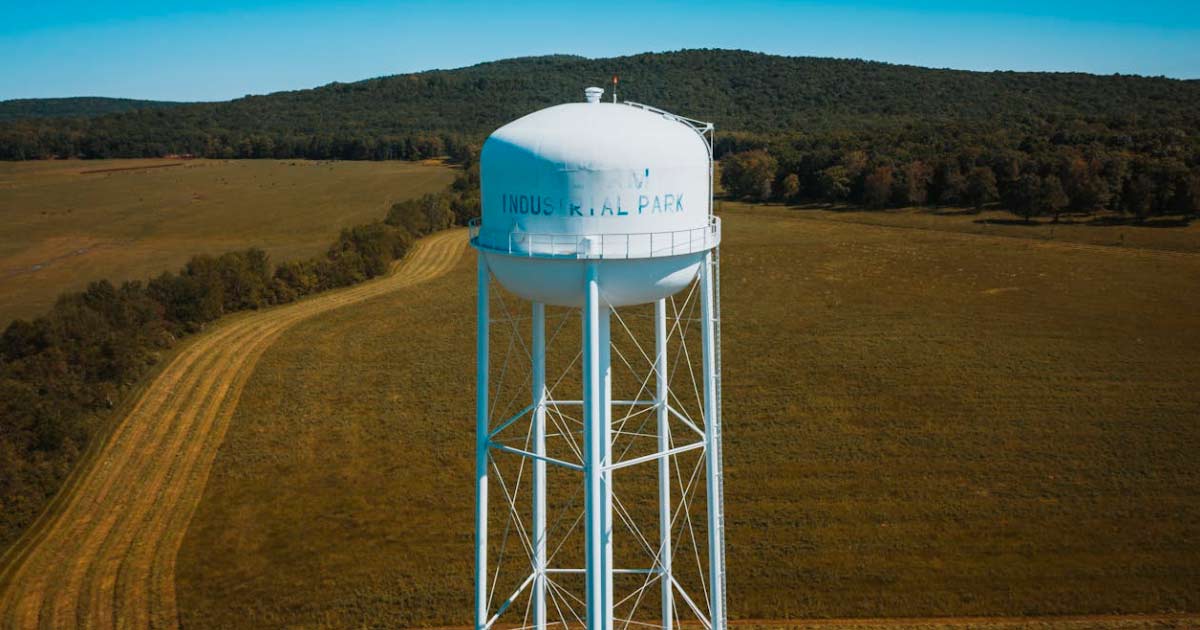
(148, 220)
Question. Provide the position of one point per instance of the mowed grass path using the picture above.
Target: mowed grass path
(104, 554)
(70, 222)
(918, 422)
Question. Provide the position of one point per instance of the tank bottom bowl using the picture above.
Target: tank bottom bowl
(561, 281)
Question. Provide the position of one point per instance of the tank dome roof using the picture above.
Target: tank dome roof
(602, 136)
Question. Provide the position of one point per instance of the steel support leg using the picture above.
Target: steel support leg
(712, 437)
(538, 334)
(664, 463)
(481, 447)
(593, 492)
(606, 480)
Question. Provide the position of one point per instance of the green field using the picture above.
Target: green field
(69, 222)
(924, 416)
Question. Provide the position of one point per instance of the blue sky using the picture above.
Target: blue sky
(219, 50)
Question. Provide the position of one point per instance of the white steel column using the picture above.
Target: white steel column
(712, 438)
(592, 465)
(664, 462)
(606, 480)
(539, 465)
(481, 446)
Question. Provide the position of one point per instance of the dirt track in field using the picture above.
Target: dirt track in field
(104, 555)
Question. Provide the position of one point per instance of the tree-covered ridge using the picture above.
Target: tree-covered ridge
(77, 106)
(414, 115)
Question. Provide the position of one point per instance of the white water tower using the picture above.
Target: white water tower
(599, 211)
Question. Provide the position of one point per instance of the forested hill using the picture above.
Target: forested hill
(78, 106)
(411, 115)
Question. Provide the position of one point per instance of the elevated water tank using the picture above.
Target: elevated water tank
(624, 187)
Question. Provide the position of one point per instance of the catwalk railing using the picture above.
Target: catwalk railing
(598, 246)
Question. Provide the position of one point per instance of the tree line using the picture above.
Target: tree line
(1141, 176)
(33, 140)
(78, 106)
(61, 372)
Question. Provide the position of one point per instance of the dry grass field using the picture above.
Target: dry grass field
(68, 222)
(924, 417)
(104, 554)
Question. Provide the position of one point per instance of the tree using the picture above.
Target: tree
(949, 184)
(244, 277)
(423, 215)
(20, 339)
(1085, 186)
(915, 180)
(1138, 196)
(1192, 192)
(877, 187)
(980, 187)
(1114, 170)
(855, 162)
(1172, 186)
(834, 183)
(789, 189)
(438, 214)
(748, 175)
(1023, 197)
(1051, 198)
(187, 300)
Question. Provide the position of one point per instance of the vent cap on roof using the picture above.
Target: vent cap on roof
(593, 94)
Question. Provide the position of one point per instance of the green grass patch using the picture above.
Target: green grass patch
(940, 421)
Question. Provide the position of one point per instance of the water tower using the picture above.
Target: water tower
(601, 212)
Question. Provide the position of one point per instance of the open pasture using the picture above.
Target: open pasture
(922, 419)
(70, 222)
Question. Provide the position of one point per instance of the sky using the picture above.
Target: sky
(218, 50)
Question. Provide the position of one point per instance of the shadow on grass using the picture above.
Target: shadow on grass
(1020, 222)
(1160, 222)
(953, 212)
(1064, 219)
(1097, 221)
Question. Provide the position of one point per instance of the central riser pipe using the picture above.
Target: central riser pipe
(597, 420)
(538, 355)
(664, 464)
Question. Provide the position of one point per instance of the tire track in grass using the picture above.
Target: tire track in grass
(158, 572)
(104, 555)
(95, 489)
(294, 317)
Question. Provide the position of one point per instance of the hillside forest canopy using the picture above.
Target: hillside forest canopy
(801, 128)
(75, 106)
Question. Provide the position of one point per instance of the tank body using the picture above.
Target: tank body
(623, 188)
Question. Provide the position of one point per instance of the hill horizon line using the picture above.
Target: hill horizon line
(565, 56)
